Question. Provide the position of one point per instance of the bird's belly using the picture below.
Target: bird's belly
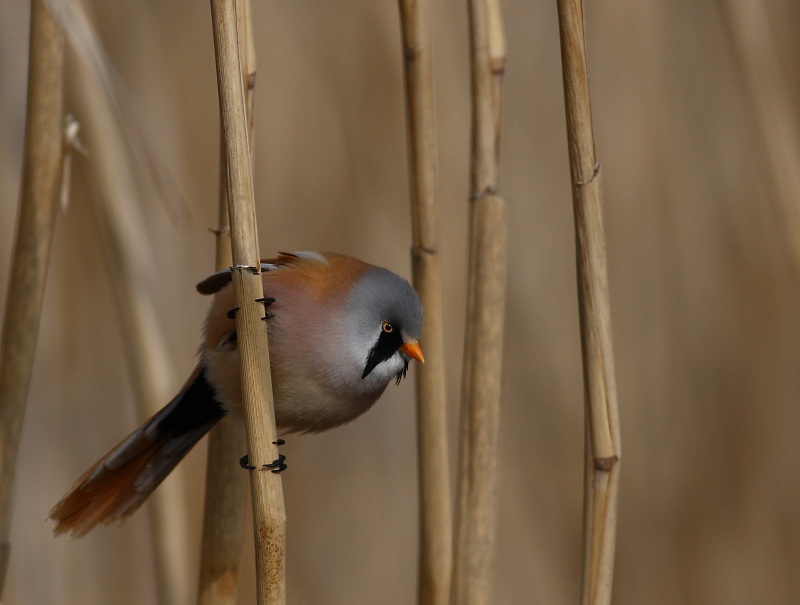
(302, 403)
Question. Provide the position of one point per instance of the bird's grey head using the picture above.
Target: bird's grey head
(386, 315)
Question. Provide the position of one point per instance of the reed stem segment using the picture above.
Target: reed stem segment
(435, 518)
(42, 171)
(269, 516)
(476, 492)
(223, 511)
(602, 417)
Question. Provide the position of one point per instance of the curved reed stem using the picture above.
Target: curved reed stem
(41, 175)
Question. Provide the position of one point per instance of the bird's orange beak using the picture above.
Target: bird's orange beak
(412, 350)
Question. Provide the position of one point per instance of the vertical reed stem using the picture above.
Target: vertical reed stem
(476, 503)
(223, 517)
(223, 509)
(435, 519)
(269, 516)
(41, 176)
(602, 426)
(223, 513)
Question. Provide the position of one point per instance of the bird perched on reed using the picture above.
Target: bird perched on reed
(339, 331)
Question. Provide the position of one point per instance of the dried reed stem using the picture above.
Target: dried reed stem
(435, 519)
(223, 517)
(223, 510)
(496, 47)
(269, 515)
(476, 503)
(41, 176)
(223, 513)
(602, 427)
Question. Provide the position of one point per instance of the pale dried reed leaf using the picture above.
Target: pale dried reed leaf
(152, 178)
(765, 79)
(118, 155)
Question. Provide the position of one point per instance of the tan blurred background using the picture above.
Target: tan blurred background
(704, 295)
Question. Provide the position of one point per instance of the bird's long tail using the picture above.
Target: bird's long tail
(117, 484)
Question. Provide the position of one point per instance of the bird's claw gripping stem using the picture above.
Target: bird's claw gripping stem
(266, 301)
(244, 462)
(276, 466)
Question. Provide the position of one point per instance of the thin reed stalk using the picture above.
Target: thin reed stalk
(602, 420)
(223, 513)
(476, 494)
(41, 180)
(223, 517)
(435, 519)
(496, 47)
(269, 516)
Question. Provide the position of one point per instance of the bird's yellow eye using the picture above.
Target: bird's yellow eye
(387, 327)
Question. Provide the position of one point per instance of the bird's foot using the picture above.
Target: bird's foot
(276, 466)
(279, 465)
(244, 462)
(267, 301)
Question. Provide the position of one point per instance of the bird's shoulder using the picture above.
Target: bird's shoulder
(323, 270)
(326, 275)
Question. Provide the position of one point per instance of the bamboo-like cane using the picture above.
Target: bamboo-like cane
(602, 421)
(476, 494)
(41, 175)
(269, 516)
(223, 513)
(435, 519)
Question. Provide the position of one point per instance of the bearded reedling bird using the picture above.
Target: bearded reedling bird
(339, 331)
